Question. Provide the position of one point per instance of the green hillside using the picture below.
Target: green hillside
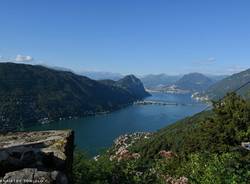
(31, 93)
(230, 84)
(205, 148)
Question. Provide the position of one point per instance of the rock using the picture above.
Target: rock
(3, 155)
(28, 156)
(36, 154)
(59, 177)
(32, 175)
(28, 175)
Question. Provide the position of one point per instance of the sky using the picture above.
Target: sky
(128, 36)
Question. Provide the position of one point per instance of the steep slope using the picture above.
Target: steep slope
(31, 93)
(132, 85)
(220, 130)
(194, 82)
(210, 147)
(230, 84)
(217, 78)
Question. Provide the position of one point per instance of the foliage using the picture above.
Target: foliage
(103, 171)
(229, 84)
(214, 131)
(210, 169)
(87, 170)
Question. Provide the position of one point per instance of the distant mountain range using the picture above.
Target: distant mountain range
(158, 80)
(189, 83)
(192, 82)
(149, 81)
(95, 75)
(216, 78)
(31, 93)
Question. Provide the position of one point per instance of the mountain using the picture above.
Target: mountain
(155, 81)
(230, 84)
(31, 93)
(217, 78)
(102, 75)
(132, 85)
(194, 82)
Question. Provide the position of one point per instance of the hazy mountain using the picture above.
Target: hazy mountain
(102, 75)
(31, 93)
(216, 78)
(230, 84)
(155, 81)
(194, 82)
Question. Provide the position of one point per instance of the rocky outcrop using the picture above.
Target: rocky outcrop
(36, 157)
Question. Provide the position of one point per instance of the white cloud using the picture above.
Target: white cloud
(211, 60)
(235, 69)
(207, 61)
(20, 58)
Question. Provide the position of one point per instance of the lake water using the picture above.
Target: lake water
(96, 133)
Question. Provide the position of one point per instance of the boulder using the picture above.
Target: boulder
(27, 175)
(33, 175)
(34, 155)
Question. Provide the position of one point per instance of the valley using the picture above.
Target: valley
(96, 133)
(120, 125)
(124, 92)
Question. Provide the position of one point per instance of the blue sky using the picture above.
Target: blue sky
(128, 36)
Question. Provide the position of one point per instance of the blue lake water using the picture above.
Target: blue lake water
(96, 133)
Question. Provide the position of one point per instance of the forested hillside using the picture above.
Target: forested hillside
(230, 84)
(30, 93)
(206, 148)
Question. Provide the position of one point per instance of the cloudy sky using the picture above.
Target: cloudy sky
(128, 36)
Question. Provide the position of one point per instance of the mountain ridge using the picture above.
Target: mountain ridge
(194, 82)
(31, 93)
(229, 84)
(153, 81)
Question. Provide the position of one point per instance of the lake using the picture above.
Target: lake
(95, 133)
